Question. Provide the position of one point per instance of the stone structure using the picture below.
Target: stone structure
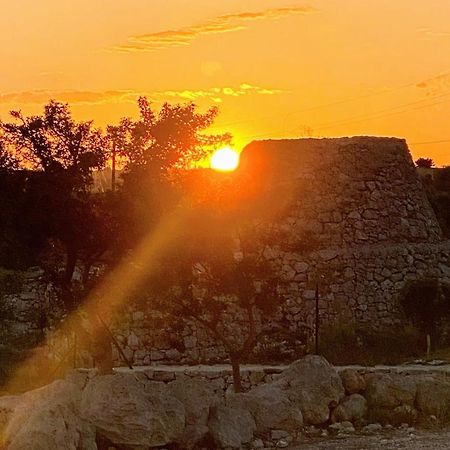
(349, 214)
(138, 410)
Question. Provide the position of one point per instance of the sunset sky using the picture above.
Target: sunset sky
(275, 68)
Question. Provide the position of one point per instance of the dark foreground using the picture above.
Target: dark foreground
(398, 440)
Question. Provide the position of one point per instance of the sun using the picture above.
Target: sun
(225, 160)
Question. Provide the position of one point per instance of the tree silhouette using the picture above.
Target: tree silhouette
(425, 163)
(61, 154)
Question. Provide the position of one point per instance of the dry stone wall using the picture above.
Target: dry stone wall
(344, 192)
(349, 214)
(355, 218)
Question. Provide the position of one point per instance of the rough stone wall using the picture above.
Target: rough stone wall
(344, 192)
(28, 308)
(361, 210)
(360, 284)
(351, 214)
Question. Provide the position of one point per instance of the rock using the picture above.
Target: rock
(402, 414)
(198, 397)
(353, 381)
(257, 443)
(282, 443)
(276, 435)
(341, 428)
(386, 393)
(48, 419)
(433, 398)
(352, 409)
(313, 385)
(270, 407)
(133, 341)
(8, 405)
(372, 428)
(126, 414)
(231, 427)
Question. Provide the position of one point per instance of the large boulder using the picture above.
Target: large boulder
(391, 398)
(48, 419)
(8, 405)
(270, 407)
(351, 409)
(314, 386)
(198, 397)
(231, 426)
(353, 381)
(433, 398)
(129, 416)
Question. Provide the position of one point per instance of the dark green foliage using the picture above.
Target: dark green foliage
(442, 179)
(426, 303)
(349, 344)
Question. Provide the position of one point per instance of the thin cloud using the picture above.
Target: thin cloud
(222, 24)
(216, 94)
(436, 85)
(69, 96)
(433, 33)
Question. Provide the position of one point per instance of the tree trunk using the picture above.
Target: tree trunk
(236, 367)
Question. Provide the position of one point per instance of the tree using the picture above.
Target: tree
(157, 148)
(427, 163)
(208, 281)
(8, 162)
(62, 154)
(171, 138)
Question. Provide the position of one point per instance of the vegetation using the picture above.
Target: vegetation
(349, 344)
(426, 303)
(426, 163)
(438, 191)
(218, 284)
(49, 214)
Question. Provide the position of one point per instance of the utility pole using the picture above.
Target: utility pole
(113, 167)
(316, 328)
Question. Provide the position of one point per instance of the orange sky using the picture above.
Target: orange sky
(276, 68)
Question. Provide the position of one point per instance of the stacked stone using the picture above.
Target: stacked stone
(351, 215)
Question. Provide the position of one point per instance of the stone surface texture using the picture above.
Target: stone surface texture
(350, 214)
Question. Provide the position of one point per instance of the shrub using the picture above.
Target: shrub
(344, 343)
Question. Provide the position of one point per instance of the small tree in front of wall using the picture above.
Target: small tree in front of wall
(208, 283)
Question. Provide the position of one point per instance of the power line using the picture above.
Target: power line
(387, 111)
(379, 114)
(430, 142)
(327, 105)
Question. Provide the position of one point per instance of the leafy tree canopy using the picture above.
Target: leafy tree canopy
(425, 162)
(54, 142)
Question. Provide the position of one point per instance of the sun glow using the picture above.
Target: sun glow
(225, 160)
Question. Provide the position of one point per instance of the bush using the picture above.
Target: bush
(348, 344)
(426, 302)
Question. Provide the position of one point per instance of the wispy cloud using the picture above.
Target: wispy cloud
(222, 24)
(434, 33)
(436, 85)
(216, 94)
(70, 96)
